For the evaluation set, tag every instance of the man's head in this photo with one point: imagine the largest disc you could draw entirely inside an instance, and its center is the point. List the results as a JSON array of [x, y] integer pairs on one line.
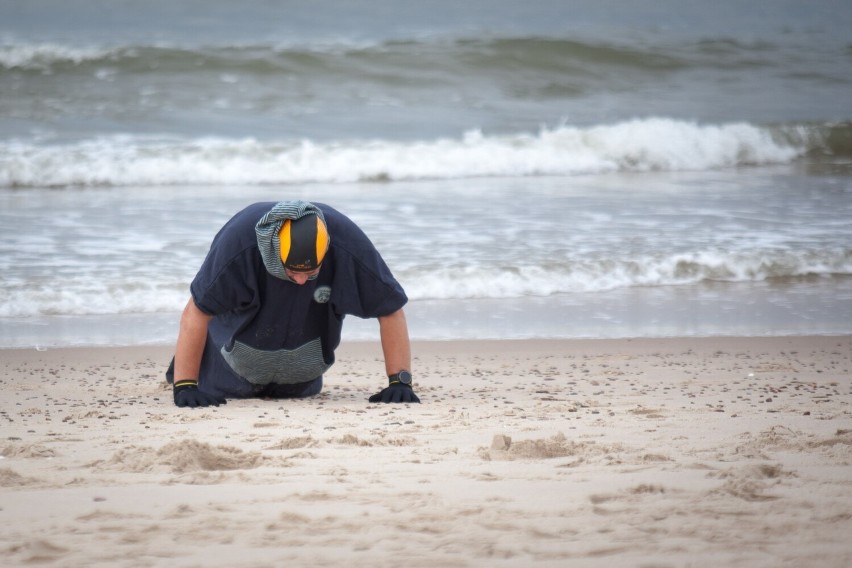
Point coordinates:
[[303, 243]]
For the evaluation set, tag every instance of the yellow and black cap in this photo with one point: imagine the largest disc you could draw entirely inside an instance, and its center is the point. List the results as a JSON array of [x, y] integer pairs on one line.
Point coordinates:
[[303, 242]]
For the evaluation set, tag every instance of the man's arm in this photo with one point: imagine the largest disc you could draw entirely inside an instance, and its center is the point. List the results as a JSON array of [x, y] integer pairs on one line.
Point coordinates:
[[396, 346], [188, 352], [190, 344], [393, 330]]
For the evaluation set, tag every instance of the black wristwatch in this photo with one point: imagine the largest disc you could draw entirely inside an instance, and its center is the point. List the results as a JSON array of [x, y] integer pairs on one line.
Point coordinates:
[[402, 377]]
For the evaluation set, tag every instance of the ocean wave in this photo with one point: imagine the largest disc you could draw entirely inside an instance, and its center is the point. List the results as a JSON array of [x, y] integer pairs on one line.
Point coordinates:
[[56, 58], [656, 144], [85, 298], [585, 276], [44, 56], [508, 53], [89, 294]]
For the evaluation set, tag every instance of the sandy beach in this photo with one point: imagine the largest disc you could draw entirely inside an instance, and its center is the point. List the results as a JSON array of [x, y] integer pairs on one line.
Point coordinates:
[[544, 180], [646, 452]]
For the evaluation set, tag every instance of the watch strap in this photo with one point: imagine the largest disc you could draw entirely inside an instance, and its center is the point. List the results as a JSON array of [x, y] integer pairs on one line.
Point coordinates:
[[402, 377]]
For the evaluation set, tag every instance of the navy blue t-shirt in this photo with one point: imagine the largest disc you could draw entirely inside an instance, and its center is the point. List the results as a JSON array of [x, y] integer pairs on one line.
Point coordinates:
[[269, 330]]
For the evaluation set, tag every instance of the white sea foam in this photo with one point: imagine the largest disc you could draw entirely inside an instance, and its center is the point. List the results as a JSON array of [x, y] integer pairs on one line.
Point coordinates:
[[637, 145]]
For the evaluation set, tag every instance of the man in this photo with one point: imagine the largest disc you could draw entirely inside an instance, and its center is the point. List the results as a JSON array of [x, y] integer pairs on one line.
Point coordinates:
[[267, 307]]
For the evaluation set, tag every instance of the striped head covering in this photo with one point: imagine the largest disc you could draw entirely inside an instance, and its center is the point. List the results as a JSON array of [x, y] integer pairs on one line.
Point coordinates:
[[292, 236]]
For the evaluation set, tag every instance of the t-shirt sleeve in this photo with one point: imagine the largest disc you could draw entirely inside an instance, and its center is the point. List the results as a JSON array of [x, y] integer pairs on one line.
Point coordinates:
[[366, 287], [226, 282], [363, 283]]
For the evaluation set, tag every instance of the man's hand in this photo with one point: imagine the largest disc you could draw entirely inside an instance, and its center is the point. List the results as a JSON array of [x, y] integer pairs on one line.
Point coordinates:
[[396, 392], [187, 394]]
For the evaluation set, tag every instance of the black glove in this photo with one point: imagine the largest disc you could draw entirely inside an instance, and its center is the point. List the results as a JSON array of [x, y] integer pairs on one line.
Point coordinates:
[[187, 394], [396, 392]]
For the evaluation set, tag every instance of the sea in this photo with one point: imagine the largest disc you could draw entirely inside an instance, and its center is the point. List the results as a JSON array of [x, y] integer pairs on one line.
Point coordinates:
[[537, 169]]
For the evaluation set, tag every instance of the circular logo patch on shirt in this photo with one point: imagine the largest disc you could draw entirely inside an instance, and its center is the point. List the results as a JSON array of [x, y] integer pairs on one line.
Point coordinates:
[[322, 294]]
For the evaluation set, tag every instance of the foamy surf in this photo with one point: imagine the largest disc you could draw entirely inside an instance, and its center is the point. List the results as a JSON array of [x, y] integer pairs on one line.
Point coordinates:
[[92, 291]]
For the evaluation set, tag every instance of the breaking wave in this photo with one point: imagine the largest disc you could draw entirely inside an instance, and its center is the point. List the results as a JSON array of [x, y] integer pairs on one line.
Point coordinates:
[[653, 144]]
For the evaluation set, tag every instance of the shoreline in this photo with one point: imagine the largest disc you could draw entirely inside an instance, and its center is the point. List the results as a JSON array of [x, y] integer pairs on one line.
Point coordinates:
[[799, 307], [435, 347], [586, 452], [430, 345]]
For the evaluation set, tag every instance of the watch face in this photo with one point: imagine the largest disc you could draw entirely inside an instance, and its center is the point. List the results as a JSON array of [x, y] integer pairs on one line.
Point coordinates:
[[404, 377]]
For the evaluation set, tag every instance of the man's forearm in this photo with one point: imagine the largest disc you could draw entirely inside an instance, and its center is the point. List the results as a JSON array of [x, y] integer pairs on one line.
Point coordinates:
[[396, 346], [190, 344]]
